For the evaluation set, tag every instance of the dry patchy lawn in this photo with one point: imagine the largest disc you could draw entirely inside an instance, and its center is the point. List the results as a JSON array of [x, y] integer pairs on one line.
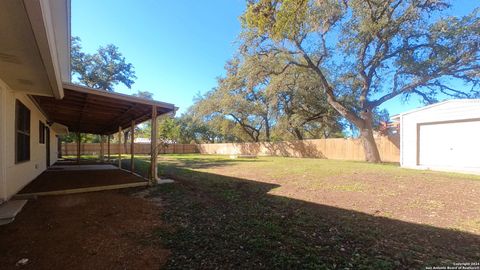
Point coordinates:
[[308, 213]]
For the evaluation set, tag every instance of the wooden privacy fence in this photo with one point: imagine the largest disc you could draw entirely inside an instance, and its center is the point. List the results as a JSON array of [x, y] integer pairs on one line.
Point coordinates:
[[344, 149], [70, 149]]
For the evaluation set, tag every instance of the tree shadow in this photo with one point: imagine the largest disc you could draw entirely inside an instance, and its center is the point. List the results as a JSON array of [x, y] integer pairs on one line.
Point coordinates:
[[299, 148], [395, 139], [215, 221]]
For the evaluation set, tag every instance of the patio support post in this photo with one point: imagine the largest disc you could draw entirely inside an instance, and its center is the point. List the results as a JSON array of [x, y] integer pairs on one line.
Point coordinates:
[[153, 148], [120, 147], [79, 139], [108, 148], [132, 147], [101, 148]]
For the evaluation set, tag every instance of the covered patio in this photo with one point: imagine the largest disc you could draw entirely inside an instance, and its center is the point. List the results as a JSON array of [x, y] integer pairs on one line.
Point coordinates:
[[86, 110]]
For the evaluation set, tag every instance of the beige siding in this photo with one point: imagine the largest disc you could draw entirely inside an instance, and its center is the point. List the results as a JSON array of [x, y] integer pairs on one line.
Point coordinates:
[[450, 111], [16, 176]]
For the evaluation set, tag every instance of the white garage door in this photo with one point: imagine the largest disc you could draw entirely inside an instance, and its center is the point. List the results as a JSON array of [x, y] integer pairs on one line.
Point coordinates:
[[450, 145]]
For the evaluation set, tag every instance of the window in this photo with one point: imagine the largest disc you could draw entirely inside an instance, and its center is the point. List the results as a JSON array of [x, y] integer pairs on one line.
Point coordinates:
[[22, 132], [41, 132]]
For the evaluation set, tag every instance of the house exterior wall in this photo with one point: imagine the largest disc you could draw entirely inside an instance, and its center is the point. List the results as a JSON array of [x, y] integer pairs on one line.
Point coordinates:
[[16, 176], [450, 111]]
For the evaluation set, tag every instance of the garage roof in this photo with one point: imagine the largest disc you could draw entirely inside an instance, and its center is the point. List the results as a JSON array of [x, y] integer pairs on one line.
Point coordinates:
[[88, 110], [396, 117]]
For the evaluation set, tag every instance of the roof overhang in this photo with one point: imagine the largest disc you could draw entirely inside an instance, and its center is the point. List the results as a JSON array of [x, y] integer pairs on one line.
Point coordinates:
[[35, 47], [395, 118], [441, 103], [88, 110]]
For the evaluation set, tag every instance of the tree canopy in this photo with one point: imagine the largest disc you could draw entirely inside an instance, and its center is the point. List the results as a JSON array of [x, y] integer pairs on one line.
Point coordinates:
[[254, 103], [102, 70], [365, 52]]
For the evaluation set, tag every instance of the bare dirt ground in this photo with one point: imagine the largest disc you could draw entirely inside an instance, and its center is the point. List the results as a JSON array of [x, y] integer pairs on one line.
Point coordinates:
[[101, 230]]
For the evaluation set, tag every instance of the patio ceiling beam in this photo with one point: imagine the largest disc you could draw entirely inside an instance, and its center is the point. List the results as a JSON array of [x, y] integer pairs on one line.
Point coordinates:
[[124, 123], [117, 119], [77, 109], [84, 106]]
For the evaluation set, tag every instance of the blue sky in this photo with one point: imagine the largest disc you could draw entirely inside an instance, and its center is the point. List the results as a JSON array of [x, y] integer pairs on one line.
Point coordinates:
[[178, 48]]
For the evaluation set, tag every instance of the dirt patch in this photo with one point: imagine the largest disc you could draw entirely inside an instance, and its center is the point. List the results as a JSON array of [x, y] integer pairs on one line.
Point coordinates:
[[102, 230]]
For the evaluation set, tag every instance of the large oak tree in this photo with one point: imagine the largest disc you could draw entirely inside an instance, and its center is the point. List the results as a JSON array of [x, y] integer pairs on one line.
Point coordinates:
[[101, 70], [365, 52]]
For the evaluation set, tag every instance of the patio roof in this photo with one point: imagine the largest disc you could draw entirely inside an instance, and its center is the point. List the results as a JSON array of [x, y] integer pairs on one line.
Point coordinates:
[[88, 110]]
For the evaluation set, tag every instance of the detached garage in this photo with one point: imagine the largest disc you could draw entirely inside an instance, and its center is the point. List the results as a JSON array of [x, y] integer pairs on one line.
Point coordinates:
[[443, 136]]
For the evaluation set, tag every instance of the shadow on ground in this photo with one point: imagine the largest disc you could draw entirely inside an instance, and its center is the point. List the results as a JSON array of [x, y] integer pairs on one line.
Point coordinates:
[[224, 222]]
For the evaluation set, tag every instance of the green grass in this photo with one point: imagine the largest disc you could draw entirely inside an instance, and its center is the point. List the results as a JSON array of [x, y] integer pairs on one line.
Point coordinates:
[[283, 167]]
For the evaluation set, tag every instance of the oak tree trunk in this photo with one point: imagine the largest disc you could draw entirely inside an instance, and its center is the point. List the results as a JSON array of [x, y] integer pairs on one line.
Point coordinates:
[[365, 126], [369, 145], [366, 134], [364, 122]]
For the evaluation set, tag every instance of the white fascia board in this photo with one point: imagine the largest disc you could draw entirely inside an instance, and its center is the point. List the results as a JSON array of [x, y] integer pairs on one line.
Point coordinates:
[[438, 104], [39, 14]]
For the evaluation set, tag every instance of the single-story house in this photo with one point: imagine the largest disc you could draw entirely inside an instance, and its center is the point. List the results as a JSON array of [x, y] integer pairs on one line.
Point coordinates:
[[37, 99], [444, 136]]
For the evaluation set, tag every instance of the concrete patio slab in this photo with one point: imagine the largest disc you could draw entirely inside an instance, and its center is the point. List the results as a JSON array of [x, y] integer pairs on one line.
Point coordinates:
[[71, 179]]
